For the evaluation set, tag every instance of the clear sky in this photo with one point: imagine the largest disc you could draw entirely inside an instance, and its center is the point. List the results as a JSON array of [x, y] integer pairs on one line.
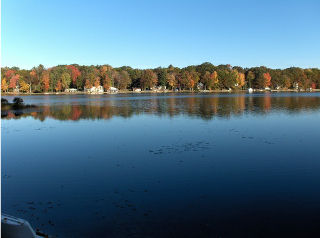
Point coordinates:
[[143, 34]]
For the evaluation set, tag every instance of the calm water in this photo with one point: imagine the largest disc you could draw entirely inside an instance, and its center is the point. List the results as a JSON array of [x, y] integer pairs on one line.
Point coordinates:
[[222, 165]]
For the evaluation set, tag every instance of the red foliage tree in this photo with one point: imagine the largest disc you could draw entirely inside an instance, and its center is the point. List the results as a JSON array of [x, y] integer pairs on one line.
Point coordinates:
[[9, 73], [75, 73], [13, 81]]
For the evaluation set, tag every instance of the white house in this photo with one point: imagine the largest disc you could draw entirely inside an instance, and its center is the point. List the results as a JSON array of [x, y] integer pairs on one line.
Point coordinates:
[[94, 90], [16, 89], [113, 90], [137, 90], [200, 86], [71, 90], [158, 88]]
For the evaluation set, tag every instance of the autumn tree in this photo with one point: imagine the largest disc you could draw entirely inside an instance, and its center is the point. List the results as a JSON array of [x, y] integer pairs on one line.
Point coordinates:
[[24, 87], [125, 80], [37, 74], [241, 80], [205, 79], [148, 79], [227, 77], [190, 79], [210, 80], [215, 79], [97, 82], [250, 77], [267, 79], [33, 76], [58, 86], [287, 81], [107, 82], [13, 81], [88, 84], [4, 85], [172, 80], [45, 81], [9, 73], [65, 80], [75, 73]]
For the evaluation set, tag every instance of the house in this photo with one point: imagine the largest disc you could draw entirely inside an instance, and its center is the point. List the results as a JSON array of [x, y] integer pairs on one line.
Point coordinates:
[[200, 86], [137, 90], [16, 89], [71, 90], [159, 88], [113, 90], [94, 90]]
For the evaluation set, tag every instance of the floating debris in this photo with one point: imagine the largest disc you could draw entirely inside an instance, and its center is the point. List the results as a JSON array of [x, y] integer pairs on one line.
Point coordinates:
[[180, 148]]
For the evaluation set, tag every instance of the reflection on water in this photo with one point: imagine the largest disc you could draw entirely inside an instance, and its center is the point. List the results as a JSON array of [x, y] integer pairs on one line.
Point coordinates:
[[164, 165], [203, 106]]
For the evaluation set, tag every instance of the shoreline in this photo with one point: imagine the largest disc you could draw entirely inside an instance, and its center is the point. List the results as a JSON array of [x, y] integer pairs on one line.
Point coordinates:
[[150, 91]]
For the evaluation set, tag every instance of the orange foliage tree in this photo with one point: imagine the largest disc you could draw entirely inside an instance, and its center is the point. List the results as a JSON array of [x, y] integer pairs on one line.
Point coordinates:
[[97, 82], [267, 79], [58, 86], [45, 81], [241, 79], [106, 82], [88, 84]]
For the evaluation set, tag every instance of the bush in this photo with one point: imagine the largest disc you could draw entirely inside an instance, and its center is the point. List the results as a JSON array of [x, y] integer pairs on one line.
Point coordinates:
[[4, 101], [17, 102]]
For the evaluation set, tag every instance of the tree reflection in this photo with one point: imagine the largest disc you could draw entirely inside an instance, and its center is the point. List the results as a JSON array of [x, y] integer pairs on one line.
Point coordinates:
[[207, 107]]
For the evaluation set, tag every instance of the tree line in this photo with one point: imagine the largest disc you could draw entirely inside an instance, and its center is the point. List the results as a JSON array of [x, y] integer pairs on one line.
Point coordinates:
[[204, 76]]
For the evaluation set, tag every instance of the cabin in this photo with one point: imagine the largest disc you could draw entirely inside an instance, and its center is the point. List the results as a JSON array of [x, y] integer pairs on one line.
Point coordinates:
[[94, 90]]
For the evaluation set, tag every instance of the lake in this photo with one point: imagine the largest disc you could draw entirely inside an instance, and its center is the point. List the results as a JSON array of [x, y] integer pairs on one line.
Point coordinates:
[[165, 165]]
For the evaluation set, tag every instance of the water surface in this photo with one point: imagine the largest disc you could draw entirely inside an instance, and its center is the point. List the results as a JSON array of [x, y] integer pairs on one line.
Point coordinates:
[[167, 165]]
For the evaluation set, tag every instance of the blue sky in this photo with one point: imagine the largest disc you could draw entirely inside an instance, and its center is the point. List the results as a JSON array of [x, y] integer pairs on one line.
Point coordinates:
[[145, 34]]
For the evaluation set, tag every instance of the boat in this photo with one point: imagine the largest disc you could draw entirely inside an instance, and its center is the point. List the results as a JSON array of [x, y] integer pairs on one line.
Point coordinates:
[[13, 227], [250, 90]]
